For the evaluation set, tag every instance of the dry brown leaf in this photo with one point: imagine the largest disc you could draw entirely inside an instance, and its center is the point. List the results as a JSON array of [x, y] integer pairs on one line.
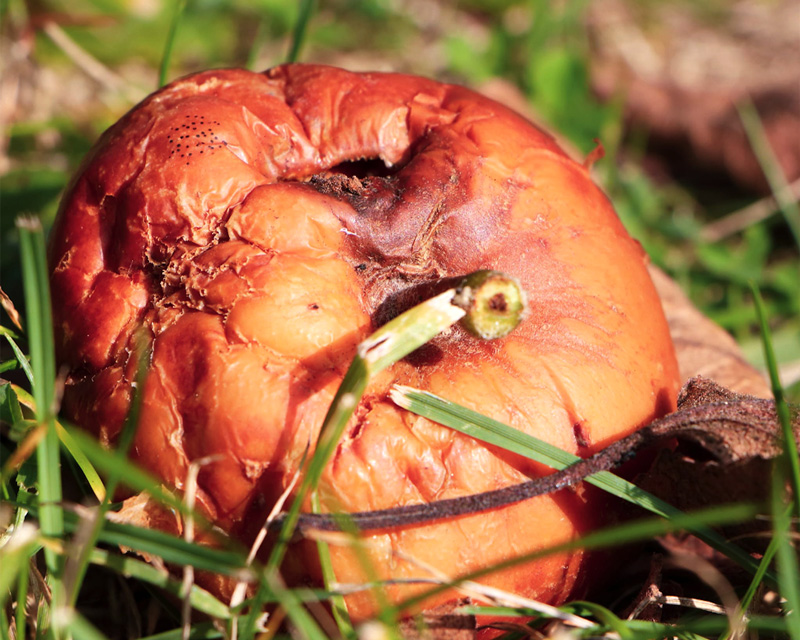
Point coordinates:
[[141, 510], [11, 310], [703, 348], [723, 455], [682, 79]]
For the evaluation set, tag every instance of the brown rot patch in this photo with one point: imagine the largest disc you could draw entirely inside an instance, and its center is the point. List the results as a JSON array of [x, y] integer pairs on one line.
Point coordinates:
[[581, 434]]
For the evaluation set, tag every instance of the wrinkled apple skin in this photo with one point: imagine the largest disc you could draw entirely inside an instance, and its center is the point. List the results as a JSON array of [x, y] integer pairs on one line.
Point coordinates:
[[218, 215]]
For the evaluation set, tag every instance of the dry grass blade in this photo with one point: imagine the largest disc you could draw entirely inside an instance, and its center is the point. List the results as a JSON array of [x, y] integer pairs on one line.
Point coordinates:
[[90, 65], [188, 536], [714, 578], [771, 167], [10, 309], [469, 588], [750, 215], [691, 603], [240, 589]]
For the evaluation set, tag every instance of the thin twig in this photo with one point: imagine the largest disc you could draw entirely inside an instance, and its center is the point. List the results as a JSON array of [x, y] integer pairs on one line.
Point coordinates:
[[467, 587], [678, 601], [90, 65], [770, 165], [240, 589], [188, 535], [749, 215], [686, 420], [715, 579]]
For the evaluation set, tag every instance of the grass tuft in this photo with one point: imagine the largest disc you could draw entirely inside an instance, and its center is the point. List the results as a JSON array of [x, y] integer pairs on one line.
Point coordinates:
[[43, 365], [785, 484]]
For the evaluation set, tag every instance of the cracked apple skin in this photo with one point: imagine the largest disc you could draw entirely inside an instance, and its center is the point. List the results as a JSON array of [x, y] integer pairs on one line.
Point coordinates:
[[258, 226]]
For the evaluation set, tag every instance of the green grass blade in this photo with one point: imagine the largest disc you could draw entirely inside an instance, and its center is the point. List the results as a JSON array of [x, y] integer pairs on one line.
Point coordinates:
[[300, 29], [755, 583], [787, 472], [78, 561], [292, 603], [174, 550], [84, 464], [43, 365], [606, 617], [483, 428], [82, 629], [169, 44], [135, 478], [129, 567], [72, 448], [10, 413], [23, 361], [392, 342], [493, 432], [16, 551], [790, 445], [258, 41], [201, 631], [22, 596], [5, 626], [338, 605], [701, 627], [786, 560], [771, 166]]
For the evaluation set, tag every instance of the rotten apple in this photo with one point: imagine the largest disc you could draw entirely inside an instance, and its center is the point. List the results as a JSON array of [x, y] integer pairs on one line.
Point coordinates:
[[257, 226]]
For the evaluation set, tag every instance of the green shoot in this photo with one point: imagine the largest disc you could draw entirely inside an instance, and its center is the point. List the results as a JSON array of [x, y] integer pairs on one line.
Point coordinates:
[[300, 29], [389, 344], [169, 44]]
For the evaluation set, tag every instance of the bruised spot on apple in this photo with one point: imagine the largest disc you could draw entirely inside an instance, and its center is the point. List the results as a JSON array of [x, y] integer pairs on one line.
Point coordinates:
[[258, 226]]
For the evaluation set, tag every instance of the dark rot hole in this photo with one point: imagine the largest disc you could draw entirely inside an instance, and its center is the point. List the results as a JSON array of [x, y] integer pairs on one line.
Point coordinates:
[[367, 168], [498, 303]]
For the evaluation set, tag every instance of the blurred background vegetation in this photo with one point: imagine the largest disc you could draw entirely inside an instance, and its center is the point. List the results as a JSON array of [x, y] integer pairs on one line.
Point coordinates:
[[696, 104]]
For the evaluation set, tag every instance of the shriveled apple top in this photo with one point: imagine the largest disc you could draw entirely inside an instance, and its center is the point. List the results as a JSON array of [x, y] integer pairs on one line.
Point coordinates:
[[257, 226]]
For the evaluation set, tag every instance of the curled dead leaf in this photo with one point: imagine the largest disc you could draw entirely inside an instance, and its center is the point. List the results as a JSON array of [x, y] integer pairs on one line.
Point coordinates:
[[703, 348], [10, 309]]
